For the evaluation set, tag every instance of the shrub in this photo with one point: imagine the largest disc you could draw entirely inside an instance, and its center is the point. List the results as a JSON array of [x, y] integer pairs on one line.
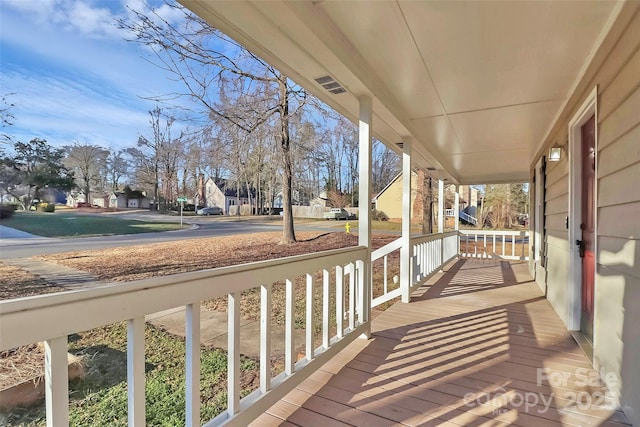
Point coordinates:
[[379, 215], [46, 207], [6, 212]]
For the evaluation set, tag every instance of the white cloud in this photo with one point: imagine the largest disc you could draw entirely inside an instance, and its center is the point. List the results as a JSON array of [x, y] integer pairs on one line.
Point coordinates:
[[162, 10], [41, 8], [73, 75], [70, 110], [72, 16], [94, 21]]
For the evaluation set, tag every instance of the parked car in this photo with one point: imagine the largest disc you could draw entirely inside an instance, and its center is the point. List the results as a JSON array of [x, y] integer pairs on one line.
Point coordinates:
[[213, 210], [337, 213]]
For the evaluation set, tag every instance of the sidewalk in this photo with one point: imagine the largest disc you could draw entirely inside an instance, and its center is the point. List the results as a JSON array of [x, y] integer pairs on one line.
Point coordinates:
[[11, 236], [213, 324]]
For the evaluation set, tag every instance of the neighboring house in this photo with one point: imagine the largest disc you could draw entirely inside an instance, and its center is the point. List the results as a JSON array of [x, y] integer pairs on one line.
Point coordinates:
[[296, 199], [469, 196], [74, 198], [102, 200], [389, 199], [322, 200], [134, 199], [217, 193]]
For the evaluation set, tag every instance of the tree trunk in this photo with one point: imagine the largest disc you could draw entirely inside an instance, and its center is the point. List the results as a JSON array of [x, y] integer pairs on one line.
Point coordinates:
[[259, 198], [288, 232], [155, 188], [246, 183], [87, 192], [427, 205], [480, 215], [238, 196]]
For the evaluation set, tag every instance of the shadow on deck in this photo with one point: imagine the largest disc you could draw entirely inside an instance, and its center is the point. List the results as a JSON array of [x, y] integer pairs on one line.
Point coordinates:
[[478, 345]]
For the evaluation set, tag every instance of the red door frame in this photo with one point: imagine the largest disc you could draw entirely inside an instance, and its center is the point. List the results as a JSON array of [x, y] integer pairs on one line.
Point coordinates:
[[574, 301], [587, 225]]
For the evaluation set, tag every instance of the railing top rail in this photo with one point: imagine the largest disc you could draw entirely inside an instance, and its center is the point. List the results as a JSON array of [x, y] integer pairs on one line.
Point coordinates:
[[386, 249], [430, 237], [495, 232], [30, 319]]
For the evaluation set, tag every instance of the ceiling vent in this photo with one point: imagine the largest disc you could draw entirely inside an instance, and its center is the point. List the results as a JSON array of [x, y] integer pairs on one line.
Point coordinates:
[[330, 84], [431, 168]]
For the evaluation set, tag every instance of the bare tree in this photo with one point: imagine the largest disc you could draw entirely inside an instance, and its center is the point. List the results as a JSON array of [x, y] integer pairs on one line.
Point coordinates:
[[206, 61], [502, 204], [6, 116], [117, 168], [88, 163], [386, 164], [160, 150], [143, 171]]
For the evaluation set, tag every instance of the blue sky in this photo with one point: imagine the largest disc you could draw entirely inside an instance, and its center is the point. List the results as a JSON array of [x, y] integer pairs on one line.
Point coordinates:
[[73, 75]]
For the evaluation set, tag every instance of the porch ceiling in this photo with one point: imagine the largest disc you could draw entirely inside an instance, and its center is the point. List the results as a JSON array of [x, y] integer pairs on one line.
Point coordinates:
[[475, 85]]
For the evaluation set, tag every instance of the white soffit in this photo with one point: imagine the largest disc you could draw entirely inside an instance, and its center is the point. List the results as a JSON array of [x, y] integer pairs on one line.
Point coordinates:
[[475, 84]]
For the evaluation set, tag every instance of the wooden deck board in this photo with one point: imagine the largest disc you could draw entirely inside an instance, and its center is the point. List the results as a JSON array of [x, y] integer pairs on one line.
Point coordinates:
[[467, 351]]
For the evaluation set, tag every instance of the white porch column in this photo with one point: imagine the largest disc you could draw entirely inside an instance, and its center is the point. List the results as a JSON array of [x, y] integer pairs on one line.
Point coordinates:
[[405, 250], [364, 200], [440, 206], [456, 218]]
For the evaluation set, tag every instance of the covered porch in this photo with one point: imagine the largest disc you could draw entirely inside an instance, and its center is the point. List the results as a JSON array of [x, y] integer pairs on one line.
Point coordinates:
[[474, 92], [478, 345]]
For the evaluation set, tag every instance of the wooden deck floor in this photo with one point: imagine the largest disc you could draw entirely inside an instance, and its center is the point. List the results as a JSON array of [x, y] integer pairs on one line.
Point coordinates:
[[477, 346]]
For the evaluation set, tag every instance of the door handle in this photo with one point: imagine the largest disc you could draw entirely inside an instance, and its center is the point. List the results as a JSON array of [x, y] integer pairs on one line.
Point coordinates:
[[581, 247]]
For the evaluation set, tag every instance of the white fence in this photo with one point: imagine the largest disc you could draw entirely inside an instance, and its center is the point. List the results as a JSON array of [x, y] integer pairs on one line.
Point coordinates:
[[512, 245], [51, 318], [430, 253], [387, 280], [345, 288]]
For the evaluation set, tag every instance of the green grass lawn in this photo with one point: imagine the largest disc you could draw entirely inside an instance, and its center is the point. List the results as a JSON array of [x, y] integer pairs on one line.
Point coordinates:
[[72, 225], [100, 399]]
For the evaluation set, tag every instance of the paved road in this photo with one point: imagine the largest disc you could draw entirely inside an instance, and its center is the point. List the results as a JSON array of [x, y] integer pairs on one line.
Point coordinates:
[[15, 244]]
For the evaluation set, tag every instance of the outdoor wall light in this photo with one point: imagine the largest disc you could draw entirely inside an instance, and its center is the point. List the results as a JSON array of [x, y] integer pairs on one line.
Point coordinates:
[[555, 153]]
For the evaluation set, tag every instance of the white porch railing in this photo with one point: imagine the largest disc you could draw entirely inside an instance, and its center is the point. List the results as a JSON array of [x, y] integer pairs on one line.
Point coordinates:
[[503, 244], [383, 254], [430, 253], [463, 215], [51, 318]]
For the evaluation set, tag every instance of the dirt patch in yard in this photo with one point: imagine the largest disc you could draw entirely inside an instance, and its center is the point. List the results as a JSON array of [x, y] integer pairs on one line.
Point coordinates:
[[161, 259]]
